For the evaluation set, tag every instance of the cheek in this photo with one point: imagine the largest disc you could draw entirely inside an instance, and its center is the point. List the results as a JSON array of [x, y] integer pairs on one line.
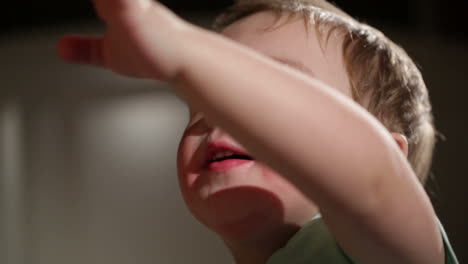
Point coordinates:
[[272, 178], [268, 173], [277, 183], [184, 153], [296, 205], [189, 160]]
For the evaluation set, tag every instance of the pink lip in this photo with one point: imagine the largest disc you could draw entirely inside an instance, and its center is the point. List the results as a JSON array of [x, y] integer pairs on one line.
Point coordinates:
[[214, 147], [226, 164]]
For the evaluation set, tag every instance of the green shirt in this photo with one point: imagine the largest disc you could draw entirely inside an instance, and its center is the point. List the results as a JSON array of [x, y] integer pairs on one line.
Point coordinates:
[[314, 243]]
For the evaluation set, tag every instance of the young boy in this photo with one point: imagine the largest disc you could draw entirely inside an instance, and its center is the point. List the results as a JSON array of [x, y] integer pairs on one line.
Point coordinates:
[[308, 130]]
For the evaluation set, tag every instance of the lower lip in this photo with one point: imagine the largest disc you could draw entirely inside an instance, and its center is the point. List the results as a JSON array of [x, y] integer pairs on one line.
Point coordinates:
[[226, 164]]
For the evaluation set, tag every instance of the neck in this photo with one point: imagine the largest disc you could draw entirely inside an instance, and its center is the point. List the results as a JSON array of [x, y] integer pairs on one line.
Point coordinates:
[[251, 256], [258, 251]]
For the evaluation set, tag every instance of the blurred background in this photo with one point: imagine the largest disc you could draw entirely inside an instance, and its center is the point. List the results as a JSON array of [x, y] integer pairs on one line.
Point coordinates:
[[87, 158]]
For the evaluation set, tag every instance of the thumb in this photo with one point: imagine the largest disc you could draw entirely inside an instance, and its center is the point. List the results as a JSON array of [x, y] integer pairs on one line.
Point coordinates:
[[82, 50]]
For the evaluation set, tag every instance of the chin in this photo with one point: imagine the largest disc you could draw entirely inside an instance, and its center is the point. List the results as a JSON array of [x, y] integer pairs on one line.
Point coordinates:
[[237, 211]]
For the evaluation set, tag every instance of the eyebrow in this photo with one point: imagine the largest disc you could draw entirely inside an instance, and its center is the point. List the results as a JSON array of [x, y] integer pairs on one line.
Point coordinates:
[[294, 64]]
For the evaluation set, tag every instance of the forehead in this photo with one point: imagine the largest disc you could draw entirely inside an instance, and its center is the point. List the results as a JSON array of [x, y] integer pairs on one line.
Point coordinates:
[[294, 45]]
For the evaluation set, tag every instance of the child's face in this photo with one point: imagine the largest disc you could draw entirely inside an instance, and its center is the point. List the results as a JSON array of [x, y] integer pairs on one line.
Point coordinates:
[[236, 196]]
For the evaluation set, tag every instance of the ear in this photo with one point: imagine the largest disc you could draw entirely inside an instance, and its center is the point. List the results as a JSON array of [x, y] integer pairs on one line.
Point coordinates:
[[402, 142]]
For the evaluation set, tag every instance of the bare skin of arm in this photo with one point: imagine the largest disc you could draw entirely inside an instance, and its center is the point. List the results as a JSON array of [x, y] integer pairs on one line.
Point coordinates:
[[364, 186]]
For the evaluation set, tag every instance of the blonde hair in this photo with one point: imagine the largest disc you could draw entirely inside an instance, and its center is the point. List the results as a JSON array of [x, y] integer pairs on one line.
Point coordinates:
[[382, 76]]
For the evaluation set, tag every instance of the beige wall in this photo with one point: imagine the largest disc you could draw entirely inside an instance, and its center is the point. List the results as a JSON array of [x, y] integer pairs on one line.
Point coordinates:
[[88, 165], [12, 183]]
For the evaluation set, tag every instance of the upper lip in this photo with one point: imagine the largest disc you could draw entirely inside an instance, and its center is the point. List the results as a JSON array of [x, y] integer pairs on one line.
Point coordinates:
[[217, 146]]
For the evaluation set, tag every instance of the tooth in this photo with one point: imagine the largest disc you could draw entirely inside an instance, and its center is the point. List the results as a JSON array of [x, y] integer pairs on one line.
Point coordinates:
[[222, 154], [227, 153]]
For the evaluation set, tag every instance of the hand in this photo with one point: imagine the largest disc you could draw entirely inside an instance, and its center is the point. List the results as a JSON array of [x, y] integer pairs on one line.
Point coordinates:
[[143, 39]]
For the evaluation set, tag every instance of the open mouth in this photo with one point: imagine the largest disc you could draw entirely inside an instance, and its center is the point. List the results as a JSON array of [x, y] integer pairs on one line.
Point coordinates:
[[226, 159], [221, 155], [233, 156]]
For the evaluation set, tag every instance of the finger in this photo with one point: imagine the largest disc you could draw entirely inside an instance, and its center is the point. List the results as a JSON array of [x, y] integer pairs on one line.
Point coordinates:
[[82, 50]]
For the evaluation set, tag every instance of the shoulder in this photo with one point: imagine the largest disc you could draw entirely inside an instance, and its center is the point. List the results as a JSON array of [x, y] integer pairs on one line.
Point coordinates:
[[314, 243]]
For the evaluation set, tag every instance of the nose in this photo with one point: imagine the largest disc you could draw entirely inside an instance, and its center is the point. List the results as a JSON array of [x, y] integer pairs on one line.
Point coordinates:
[[200, 124], [215, 133]]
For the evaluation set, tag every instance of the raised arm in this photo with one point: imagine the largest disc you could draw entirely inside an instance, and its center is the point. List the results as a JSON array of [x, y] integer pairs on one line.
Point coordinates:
[[324, 143], [363, 185]]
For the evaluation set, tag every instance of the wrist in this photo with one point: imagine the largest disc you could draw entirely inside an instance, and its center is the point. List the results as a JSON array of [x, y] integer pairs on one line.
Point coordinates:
[[186, 56], [165, 44]]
